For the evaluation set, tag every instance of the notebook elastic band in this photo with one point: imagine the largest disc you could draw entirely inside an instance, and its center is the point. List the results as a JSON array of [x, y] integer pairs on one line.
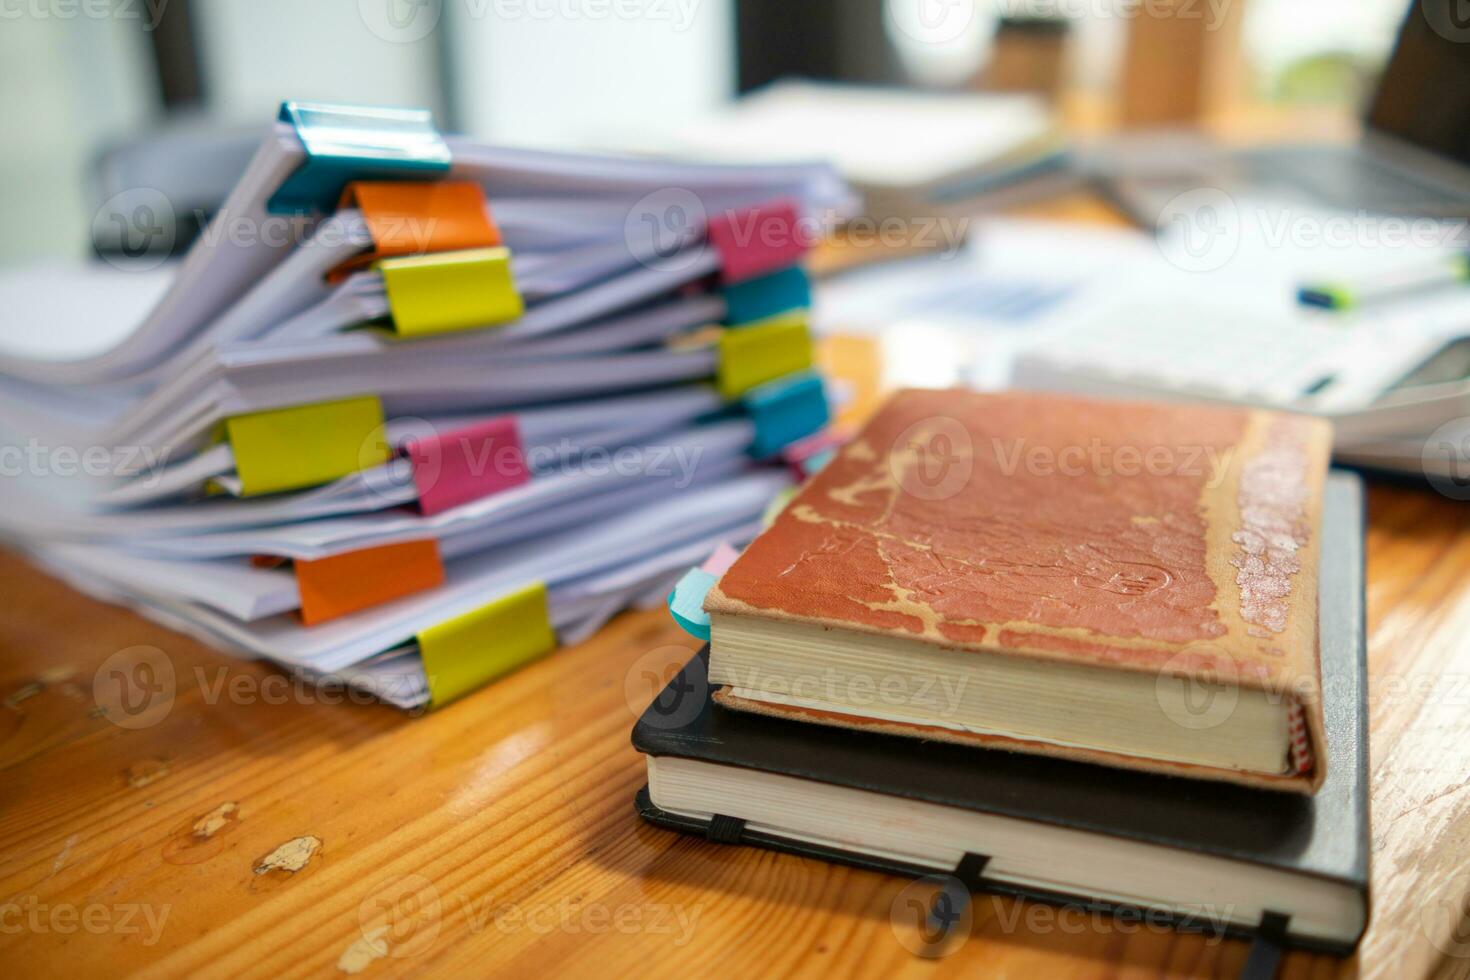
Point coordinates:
[[1264, 957], [725, 830], [971, 870]]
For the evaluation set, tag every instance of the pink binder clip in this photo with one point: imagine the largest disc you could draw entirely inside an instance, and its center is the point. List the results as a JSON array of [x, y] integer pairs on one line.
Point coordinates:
[[455, 467], [757, 240], [808, 455]]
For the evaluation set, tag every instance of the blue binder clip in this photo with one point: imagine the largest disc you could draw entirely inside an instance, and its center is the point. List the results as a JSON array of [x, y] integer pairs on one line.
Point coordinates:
[[757, 299], [344, 143], [786, 410]]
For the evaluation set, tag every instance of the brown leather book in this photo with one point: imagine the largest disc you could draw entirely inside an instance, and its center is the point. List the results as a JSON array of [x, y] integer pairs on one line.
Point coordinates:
[[1128, 584]]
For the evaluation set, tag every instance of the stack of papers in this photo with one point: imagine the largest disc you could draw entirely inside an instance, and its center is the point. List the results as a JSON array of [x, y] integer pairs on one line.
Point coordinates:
[[415, 410], [911, 154], [1213, 310]]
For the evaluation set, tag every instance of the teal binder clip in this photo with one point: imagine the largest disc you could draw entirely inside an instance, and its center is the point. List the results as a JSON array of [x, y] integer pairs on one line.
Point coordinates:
[[757, 299], [344, 143], [786, 410]]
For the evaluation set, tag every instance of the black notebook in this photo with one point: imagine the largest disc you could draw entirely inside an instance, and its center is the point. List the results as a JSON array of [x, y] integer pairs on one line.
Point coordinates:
[[1208, 856]]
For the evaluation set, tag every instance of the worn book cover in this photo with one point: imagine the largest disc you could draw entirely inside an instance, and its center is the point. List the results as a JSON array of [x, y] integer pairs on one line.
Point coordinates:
[[1130, 536], [1323, 838]]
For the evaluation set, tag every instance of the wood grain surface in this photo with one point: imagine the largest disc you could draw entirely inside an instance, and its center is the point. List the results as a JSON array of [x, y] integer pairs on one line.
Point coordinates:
[[167, 810], [499, 835]]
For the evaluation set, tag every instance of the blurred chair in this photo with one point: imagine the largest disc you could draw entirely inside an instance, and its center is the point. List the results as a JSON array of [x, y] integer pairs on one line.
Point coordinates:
[[154, 193]]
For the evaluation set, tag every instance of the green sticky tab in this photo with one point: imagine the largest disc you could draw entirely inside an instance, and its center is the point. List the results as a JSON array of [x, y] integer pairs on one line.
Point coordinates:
[[777, 505], [754, 354], [306, 445], [474, 649], [447, 291]]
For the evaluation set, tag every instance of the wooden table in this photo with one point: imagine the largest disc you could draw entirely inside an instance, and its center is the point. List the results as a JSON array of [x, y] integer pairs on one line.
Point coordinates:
[[241, 826]]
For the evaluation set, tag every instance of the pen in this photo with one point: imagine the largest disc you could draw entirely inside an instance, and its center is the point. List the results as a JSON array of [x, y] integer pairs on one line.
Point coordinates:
[[1397, 282]]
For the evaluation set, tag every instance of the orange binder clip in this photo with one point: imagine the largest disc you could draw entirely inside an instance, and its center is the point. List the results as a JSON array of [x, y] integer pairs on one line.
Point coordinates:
[[356, 580], [414, 218]]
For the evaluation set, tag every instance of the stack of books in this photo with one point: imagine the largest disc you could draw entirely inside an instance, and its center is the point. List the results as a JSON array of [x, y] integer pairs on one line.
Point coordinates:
[[1090, 652], [414, 410]]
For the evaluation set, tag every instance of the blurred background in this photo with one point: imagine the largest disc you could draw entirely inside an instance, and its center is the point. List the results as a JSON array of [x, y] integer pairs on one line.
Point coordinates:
[[92, 84]]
